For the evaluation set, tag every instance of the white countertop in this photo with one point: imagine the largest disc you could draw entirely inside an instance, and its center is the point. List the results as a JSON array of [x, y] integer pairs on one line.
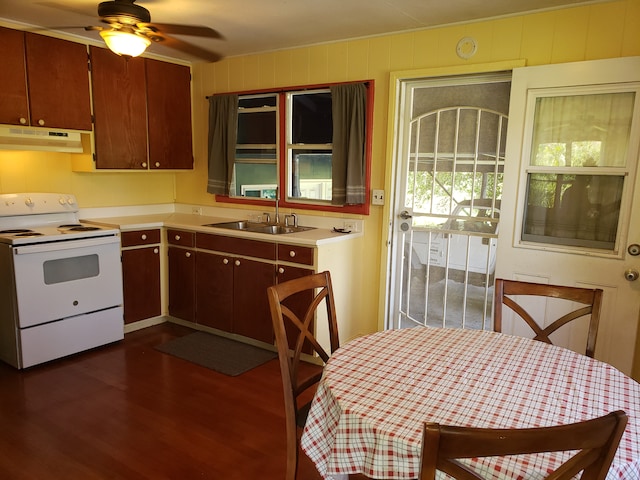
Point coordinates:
[[183, 221]]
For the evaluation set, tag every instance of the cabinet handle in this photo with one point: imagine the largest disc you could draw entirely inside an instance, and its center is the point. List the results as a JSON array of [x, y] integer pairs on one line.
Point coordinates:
[[155, 250], [187, 254], [23, 121], [292, 253], [177, 237], [41, 122], [144, 164], [281, 270], [143, 236], [237, 262], [225, 261], [157, 164]]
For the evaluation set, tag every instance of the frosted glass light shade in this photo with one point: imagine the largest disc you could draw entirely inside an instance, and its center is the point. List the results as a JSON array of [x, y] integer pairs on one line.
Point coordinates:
[[125, 43]]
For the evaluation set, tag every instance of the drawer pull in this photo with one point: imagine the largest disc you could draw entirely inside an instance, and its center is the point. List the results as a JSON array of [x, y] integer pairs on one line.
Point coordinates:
[[144, 164], [292, 253], [23, 121], [225, 261], [177, 237], [157, 164], [281, 270], [187, 254], [237, 262], [155, 250], [143, 236]]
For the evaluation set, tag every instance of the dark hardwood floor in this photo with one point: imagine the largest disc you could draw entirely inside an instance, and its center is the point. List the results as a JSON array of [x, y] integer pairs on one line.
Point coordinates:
[[127, 411]]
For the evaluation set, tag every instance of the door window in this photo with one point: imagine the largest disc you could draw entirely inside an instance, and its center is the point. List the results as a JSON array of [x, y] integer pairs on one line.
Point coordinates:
[[576, 169]]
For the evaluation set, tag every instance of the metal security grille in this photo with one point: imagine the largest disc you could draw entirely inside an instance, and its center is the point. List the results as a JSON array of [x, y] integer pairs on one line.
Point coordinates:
[[451, 216]]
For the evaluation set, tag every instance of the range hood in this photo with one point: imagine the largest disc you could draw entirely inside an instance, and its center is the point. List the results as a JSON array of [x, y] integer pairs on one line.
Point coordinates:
[[47, 139]]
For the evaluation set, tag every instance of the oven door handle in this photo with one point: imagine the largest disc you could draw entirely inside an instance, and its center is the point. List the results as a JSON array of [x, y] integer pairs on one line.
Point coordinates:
[[65, 245]]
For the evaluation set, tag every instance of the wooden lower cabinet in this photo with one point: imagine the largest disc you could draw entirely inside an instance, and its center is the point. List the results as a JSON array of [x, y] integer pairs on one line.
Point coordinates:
[[214, 290], [231, 295], [182, 282], [141, 275]]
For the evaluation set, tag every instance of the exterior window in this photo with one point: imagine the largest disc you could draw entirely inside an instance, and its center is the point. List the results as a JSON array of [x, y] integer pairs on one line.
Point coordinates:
[[309, 137], [284, 148], [577, 169], [255, 172]]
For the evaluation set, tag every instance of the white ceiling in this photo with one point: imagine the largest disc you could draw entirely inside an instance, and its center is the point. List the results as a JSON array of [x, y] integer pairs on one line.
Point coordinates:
[[252, 26]]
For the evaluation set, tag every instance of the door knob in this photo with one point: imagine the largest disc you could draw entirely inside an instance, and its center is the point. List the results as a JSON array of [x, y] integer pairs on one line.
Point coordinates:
[[631, 275], [405, 215]]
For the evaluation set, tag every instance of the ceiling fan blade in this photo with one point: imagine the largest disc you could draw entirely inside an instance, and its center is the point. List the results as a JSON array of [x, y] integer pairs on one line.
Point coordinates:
[[176, 29], [187, 48]]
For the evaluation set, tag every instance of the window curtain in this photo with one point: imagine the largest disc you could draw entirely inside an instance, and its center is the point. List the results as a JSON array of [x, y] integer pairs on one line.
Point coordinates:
[[349, 104], [223, 120]]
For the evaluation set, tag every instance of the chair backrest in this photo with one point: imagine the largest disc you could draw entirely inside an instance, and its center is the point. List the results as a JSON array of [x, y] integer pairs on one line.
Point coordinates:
[[595, 442], [505, 290], [294, 334]]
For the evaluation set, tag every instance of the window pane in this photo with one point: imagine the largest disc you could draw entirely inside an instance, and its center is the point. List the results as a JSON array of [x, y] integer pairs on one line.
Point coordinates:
[[310, 172], [255, 180], [582, 130], [257, 128], [575, 210], [311, 120]]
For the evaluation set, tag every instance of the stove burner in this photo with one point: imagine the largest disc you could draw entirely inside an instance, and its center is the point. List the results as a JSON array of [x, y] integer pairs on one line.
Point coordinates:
[[69, 225], [29, 233], [82, 228], [16, 230]]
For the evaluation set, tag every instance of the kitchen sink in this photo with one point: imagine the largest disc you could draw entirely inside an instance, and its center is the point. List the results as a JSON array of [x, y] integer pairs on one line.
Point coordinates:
[[256, 227]]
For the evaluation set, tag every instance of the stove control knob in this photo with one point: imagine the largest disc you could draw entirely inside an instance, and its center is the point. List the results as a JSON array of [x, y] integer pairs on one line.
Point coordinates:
[[28, 202], [70, 201]]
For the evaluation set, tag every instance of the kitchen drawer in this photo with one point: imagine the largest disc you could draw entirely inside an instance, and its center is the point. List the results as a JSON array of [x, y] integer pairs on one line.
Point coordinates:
[[181, 237], [140, 237], [295, 254], [236, 246]]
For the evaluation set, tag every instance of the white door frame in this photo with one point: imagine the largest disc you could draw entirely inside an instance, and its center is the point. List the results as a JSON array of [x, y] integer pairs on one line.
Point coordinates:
[[387, 280]]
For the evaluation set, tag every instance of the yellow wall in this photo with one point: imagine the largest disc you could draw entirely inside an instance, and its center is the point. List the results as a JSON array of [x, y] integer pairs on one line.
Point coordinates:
[[604, 30]]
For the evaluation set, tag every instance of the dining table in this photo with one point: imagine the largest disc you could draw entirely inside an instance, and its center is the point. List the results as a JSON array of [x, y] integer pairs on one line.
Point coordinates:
[[377, 391]]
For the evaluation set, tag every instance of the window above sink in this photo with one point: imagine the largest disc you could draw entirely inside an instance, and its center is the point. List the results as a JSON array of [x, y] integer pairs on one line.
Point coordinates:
[[284, 138]]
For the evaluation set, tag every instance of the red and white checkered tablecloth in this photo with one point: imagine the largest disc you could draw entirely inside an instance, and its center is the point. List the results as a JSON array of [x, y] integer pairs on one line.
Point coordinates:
[[377, 391]]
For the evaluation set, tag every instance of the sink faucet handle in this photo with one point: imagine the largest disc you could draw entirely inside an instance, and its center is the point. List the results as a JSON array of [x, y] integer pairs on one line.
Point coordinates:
[[267, 217], [293, 217]]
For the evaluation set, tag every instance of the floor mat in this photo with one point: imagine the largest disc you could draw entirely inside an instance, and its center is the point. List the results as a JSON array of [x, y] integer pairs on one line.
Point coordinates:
[[217, 353]]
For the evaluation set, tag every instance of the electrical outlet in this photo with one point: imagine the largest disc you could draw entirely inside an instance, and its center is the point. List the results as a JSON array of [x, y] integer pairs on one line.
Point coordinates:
[[196, 210], [377, 198], [350, 225]]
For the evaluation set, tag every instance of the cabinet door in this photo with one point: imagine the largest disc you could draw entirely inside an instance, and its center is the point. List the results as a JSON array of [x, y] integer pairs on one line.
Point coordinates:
[[120, 110], [141, 283], [298, 303], [182, 283], [13, 83], [214, 290], [58, 74], [251, 314], [169, 112]]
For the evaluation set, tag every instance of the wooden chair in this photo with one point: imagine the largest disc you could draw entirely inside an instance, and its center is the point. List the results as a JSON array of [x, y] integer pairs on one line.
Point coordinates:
[[295, 336], [596, 442], [591, 298]]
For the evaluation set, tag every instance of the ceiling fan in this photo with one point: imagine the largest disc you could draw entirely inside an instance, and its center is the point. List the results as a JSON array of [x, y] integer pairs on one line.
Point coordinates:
[[130, 31]]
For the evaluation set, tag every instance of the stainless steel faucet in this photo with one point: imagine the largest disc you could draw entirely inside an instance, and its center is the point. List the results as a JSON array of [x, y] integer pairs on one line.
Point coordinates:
[[293, 217]]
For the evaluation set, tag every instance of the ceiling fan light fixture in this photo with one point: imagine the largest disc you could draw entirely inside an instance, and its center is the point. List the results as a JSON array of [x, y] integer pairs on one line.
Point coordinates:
[[125, 43]]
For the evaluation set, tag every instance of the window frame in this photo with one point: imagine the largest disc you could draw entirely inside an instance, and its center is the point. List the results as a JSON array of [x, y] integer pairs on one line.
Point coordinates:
[[283, 152]]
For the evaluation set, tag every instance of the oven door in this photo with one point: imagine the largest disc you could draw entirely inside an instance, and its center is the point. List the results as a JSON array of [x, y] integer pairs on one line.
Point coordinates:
[[64, 279]]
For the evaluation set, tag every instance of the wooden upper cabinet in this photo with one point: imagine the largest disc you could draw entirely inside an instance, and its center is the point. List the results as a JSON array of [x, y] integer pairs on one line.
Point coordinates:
[[169, 115], [120, 109], [57, 75], [14, 104]]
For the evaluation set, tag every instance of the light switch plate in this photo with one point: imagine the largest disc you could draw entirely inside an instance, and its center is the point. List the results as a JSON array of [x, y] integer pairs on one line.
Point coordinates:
[[377, 198]]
